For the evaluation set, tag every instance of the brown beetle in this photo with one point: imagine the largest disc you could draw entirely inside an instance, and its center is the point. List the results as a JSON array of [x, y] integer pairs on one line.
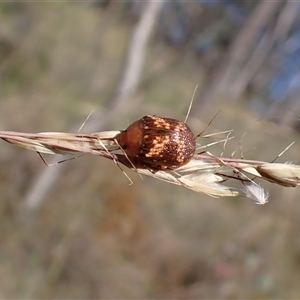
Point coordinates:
[[158, 143]]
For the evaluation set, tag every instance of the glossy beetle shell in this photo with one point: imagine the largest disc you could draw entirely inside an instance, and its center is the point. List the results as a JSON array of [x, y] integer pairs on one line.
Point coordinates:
[[159, 143]]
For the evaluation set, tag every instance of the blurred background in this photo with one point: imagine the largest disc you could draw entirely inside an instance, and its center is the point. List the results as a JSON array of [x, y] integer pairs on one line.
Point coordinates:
[[78, 230]]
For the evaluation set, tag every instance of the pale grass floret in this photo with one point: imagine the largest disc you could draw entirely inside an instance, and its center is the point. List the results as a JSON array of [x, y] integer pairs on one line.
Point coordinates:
[[256, 192]]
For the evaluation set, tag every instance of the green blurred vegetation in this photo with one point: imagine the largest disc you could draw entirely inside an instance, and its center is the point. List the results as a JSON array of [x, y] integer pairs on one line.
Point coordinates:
[[96, 237]]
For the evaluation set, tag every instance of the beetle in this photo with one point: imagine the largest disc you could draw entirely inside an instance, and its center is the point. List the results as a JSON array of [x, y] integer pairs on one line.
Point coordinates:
[[158, 143]]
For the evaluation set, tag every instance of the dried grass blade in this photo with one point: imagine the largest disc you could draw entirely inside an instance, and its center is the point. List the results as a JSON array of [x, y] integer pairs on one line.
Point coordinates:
[[62, 143]]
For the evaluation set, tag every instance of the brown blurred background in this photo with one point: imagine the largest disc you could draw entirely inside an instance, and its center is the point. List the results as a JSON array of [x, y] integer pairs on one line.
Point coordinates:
[[78, 230]]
